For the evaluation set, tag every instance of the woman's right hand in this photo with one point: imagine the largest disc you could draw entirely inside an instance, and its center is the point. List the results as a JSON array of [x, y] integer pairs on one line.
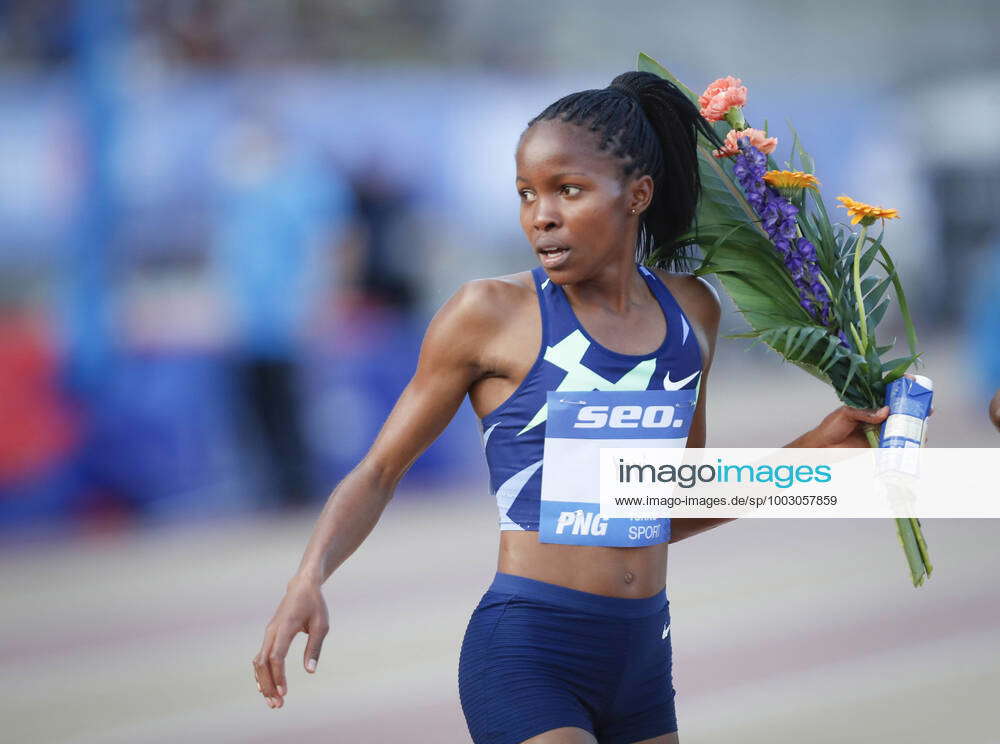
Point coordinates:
[[302, 609]]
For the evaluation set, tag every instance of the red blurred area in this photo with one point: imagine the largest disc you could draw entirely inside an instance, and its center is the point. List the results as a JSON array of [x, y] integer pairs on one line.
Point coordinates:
[[38, 426]]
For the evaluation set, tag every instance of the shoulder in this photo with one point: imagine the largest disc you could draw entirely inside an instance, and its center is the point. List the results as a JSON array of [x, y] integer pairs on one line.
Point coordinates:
[[698, 299], [497, 291], [479, 310], [492, 301]]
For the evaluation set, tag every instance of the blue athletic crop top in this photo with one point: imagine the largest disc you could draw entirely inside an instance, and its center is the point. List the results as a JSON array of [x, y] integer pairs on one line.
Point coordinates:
[[569, 359]]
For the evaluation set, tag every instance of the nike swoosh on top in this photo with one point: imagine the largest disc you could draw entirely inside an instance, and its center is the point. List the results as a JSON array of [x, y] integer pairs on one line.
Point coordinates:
[[669, 384]]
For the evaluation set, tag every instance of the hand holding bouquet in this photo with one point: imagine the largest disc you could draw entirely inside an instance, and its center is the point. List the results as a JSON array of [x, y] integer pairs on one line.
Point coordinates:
[[812, 291]]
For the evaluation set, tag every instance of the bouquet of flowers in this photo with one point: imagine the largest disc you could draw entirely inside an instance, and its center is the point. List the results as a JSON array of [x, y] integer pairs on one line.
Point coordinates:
[[809, 289]]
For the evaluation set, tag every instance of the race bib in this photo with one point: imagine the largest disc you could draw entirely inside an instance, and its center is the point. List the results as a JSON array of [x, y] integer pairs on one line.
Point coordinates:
[[579, 424]]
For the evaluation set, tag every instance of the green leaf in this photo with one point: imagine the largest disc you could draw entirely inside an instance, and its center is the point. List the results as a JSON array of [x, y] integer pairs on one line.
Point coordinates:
[[876, 316], [832, 344], [850, 376], [801, 341], [808, 165], [872, 358], [869, 255], [790, 163], [855, 335], [872, 297], [648, 64], [814, 371], [899, 369], [826, 246], [724, 237], [749, 295], [890, 268], [867, 284]]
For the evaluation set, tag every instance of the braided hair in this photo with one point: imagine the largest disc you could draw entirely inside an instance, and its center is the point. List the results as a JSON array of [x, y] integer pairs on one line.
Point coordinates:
[[653, 127]]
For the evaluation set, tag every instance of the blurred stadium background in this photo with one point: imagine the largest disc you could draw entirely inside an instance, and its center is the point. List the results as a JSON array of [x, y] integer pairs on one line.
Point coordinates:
[[225, 226]]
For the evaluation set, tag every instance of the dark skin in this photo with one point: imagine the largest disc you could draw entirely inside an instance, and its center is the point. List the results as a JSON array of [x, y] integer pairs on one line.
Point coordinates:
[[994, 410], [482, 342]]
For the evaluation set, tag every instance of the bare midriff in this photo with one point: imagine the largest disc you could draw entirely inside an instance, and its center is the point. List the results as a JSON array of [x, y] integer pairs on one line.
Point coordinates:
[[614, 572]]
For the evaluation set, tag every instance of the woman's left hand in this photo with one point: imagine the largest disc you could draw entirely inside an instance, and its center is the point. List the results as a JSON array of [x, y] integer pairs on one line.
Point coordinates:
[[844, 427]]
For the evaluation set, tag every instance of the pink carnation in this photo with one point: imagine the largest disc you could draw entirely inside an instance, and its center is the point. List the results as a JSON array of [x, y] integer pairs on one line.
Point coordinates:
[[720, 96], [757, 138]]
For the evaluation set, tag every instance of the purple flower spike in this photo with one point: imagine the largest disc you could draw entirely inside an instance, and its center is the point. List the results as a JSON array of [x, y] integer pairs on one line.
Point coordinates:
[[778, 219], [806, 250], [788, 210], [787, 229], [770, 219]]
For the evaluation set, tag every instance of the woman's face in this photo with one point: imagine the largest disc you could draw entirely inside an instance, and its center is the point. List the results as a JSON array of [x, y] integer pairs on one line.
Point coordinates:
[[575, 207]]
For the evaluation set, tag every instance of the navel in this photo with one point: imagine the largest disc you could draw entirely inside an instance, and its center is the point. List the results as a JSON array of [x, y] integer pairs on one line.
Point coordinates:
[[629, 577]]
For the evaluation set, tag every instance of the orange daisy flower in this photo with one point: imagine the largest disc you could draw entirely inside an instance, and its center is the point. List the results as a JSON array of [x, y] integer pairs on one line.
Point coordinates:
[[782, 179], [865, 213]]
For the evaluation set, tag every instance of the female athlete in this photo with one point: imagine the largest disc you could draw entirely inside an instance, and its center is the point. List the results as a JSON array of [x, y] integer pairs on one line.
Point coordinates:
[[571, 643]]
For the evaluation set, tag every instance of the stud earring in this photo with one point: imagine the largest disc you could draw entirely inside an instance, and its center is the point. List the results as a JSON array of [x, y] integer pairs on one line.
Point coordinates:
[[632, 211]]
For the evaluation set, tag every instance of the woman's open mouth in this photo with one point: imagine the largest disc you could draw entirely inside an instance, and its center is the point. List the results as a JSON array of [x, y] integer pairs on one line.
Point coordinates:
[[553, 256]]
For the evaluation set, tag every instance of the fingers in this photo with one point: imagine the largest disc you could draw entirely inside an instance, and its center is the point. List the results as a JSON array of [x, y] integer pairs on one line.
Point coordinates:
[[276, 662], [262, 670], [269, 663], [867, 414], [317, 632]]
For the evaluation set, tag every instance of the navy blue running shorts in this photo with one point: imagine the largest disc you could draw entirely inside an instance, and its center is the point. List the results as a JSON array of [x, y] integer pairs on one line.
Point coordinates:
[[539, 656]]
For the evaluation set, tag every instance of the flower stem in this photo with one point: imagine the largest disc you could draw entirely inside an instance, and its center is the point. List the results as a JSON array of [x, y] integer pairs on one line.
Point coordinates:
[[907, 538], [872, 435], [922, 544], [910, 535], [856, 337], [857, 289]]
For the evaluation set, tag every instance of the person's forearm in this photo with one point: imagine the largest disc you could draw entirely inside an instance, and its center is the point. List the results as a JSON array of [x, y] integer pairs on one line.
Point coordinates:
[[805, 440], [681, 528], [349, 515], [995, 410]]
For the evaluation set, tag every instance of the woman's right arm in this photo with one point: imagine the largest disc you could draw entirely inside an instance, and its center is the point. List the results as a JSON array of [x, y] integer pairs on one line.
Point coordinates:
[[449, 363]]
